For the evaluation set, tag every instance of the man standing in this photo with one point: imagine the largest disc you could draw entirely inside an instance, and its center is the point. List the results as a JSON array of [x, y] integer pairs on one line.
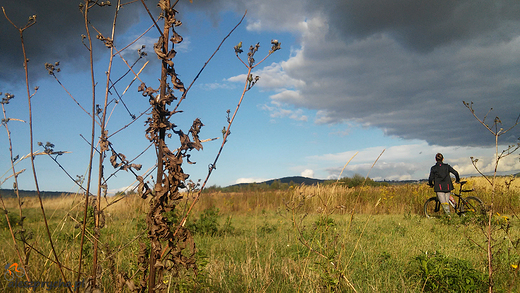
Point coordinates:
[[440, 180]]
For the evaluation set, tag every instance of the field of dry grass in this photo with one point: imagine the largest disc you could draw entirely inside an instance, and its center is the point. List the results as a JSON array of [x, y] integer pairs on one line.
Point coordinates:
[[307, 238]]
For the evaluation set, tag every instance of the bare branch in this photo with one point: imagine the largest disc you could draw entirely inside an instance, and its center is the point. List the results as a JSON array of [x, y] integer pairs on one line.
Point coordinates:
[[205, 64]]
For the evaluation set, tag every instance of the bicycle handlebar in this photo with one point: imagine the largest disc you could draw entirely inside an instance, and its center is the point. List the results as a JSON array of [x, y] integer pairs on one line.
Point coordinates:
[[459, 182]]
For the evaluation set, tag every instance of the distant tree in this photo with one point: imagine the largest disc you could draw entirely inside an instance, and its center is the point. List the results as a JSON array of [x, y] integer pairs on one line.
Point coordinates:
[[212, 188], [355, 181], [275, 185]]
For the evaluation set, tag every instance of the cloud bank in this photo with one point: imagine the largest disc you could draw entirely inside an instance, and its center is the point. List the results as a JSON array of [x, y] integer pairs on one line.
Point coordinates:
[[402, 66], [56, 36]]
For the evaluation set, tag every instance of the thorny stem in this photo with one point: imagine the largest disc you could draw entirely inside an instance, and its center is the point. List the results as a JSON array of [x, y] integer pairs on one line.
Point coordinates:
[[47, 257], [474, 163], [131, 68], [153, 19], [160, 144], [93, 133], [70, 95], [136, 39], [15, 175], [205, 64], [496, 133], [124, 127], [67, 173], [247, 87], [305, 242], [24, 261], [29, 96], [212, 166], [89, 143], [102, 150]]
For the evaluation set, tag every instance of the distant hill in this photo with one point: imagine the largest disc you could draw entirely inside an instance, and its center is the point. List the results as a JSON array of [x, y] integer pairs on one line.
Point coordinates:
[[297, 180], [6, 193]]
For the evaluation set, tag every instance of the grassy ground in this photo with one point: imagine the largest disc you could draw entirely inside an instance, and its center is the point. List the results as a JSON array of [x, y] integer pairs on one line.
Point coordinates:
[[373, 252], [307, 239]]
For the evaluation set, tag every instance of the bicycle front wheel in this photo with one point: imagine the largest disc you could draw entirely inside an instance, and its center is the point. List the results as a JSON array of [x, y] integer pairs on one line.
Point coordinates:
[[433, 208], [473, 206]]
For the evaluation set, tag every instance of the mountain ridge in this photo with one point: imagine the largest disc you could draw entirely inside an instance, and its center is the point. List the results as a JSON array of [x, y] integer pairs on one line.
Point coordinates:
[[294, 179]]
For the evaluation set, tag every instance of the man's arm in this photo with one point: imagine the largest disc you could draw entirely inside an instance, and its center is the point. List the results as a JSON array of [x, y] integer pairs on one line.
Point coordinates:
[[454, 172], [430, 178]]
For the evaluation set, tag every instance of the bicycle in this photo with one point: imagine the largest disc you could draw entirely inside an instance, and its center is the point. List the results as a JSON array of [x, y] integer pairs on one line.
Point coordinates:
[[470, 205]]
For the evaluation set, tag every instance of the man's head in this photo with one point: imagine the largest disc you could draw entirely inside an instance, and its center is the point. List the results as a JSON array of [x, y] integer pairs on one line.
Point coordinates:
[[439, 157]]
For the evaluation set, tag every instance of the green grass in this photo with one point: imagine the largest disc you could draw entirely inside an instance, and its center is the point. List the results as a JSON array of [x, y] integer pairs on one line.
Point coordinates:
[[302, 240], [374, 254]]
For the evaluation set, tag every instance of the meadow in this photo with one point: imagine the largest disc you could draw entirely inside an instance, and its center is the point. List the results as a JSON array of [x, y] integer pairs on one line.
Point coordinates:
[[303, 239]]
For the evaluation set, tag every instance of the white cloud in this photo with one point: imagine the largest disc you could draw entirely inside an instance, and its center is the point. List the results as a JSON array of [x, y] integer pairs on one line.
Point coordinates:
[[411, 161], [272, 77], [275, 77], [238, 78], [274, 15], [288, 96], [216, 86], [121, 189], [146, 41], [184, 46], [308, 173], [343, 132], [250, 180], [254, 26], [149, 42], [391, 69], [278, 110], [376, 82], [486, 165]]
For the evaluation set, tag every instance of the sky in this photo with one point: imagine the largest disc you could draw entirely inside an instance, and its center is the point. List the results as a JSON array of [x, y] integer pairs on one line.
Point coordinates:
[[355, 80]]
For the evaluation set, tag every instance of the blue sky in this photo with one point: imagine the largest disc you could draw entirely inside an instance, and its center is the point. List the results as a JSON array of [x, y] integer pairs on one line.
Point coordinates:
[[352, 77]]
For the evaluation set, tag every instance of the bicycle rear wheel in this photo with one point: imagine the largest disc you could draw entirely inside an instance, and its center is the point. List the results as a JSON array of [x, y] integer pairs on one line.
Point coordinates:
[[473, 206], [433, 208]]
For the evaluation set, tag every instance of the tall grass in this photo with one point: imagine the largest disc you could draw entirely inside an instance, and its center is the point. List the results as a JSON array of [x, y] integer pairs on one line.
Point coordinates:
[[393, 199], [371, 234]]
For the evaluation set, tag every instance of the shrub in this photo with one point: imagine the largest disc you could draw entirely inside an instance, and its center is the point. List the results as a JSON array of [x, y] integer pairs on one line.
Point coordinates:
[[324, 221], [439, 273], [266, 228], [207, 224], [228, 227], [13, 219]]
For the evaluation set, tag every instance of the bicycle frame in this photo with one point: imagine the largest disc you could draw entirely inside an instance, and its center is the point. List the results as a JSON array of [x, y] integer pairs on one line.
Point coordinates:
[[463, 205]]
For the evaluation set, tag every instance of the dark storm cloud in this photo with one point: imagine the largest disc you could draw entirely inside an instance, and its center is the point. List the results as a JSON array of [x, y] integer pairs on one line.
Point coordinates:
[[403, 66], [55, 37], [423, 25], [410, 95]]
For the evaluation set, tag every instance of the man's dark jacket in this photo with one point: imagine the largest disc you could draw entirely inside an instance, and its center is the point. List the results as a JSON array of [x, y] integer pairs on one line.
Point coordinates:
[[440, 177]]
